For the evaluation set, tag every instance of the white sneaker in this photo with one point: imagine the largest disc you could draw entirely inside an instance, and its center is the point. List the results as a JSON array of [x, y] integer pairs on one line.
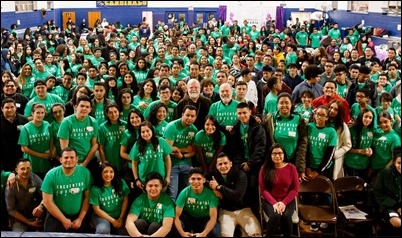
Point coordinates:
[[324, 225]]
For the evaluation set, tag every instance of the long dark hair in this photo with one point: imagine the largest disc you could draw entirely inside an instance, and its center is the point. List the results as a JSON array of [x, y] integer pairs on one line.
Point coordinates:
[[338, 120], [268, 168], [154, 93], [152, 115], [142, 144], [116, 181], [216, 136], [120, 95], [106, 110], [114, 90], [131, 128], [358, 125]]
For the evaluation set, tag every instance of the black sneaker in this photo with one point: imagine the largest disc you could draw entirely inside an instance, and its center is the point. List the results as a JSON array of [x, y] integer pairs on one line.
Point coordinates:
[[314, 226]]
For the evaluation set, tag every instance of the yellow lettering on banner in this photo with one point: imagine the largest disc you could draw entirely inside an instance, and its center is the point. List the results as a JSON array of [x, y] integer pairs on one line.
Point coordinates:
[[125, 3]]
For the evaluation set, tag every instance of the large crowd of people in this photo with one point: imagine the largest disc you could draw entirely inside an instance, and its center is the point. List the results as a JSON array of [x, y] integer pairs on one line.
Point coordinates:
[[178, 130]]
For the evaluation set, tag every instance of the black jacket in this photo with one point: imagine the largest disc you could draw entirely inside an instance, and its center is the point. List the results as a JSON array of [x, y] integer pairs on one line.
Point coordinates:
[[257, 144], [372, 89], [233, 189]]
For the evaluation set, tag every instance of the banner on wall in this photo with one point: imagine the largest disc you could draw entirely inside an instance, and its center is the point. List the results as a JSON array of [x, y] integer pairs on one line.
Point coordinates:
[[121, 3]]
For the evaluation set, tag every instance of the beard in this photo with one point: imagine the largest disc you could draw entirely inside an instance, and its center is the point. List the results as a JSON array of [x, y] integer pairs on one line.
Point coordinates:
[[193, 95]]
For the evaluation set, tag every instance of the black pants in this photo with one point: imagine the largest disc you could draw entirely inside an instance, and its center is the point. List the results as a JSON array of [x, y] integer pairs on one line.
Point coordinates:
[[146, 228]]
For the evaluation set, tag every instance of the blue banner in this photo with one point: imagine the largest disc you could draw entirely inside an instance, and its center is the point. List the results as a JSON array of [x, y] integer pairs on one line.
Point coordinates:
[[121, 3]]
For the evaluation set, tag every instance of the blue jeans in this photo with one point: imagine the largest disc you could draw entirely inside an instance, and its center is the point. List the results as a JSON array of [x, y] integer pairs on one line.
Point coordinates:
[[103, 226], [178, 179], [54, 225]]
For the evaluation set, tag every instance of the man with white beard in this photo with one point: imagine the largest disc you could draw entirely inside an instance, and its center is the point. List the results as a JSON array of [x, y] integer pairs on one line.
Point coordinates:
[[194, 97], [224, 110]]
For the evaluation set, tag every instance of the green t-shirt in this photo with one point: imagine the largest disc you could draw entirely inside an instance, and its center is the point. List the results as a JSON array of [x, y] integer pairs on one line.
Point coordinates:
[[342, 90], [110, 136], [79, 133], [304, 112], [396, 105], [291, 58], [128, 141], [151, 160], [355, 111], [54, 129], [206, 142], [319, 139], [160, 128], [302, 38], [383, 146], [286, 134], [4, 177], [99, 112], [28, 87], [37, 138], [270, 104], [140, 75], [62, 92], [244, 138], [171, 107], [197, 205], [107, 199], [48, 102], [153, 211], [124, 113], [181, 137], [68, 191], [136, 101], [225, 114], [359, 161], [335, 34]]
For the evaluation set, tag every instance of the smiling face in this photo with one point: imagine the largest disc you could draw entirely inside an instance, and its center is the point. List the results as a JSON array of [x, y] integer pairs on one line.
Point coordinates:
[[23, 169], [209, 127], [197, 181], [367, 118], [146, 133], [223, 164], [153, 188], [385, 124], [135, 120], [107, 175]]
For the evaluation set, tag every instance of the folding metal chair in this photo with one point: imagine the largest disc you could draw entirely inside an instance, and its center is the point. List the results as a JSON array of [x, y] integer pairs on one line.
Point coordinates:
[[317, 203], [353, 190]]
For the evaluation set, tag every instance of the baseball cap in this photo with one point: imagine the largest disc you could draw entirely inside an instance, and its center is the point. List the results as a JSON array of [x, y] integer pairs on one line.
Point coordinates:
[[39, 82]]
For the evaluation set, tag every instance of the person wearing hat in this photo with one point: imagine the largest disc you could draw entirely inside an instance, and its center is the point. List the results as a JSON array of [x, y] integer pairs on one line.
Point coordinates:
[[50, 84], [43, 97]]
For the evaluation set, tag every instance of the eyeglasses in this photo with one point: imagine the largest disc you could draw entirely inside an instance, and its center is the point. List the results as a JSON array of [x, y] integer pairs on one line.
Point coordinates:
[[277, 154], [321, 115], [329, 66], [9, 86]]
